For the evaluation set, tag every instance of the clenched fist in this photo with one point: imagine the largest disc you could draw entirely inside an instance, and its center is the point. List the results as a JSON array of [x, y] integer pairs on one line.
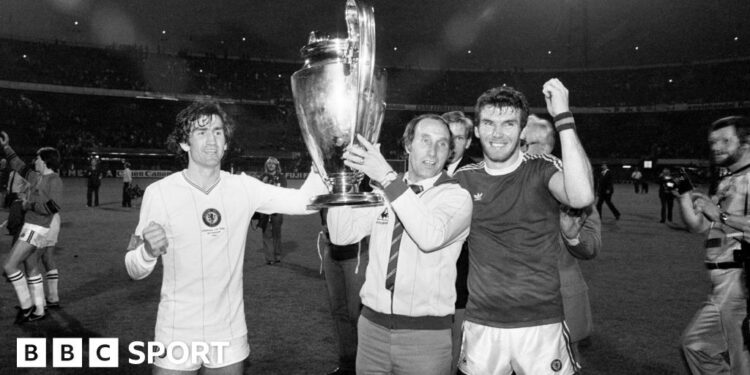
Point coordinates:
[[155, 239], [556, 96]]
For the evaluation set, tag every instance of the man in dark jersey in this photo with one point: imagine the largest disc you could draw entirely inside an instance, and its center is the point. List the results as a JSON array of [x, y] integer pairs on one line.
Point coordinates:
[[514, 316]]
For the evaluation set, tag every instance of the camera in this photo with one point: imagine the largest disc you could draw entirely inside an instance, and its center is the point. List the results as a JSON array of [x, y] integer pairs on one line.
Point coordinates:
[[682, 182], [669, 185]]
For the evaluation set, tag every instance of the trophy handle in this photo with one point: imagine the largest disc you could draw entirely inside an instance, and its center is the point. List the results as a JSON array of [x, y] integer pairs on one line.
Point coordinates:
[[360, 20]]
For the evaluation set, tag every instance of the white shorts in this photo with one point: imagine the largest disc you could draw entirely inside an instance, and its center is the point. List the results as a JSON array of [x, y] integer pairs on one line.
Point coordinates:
[[543, 349], [54, 231], [39, 236], [216, 357]]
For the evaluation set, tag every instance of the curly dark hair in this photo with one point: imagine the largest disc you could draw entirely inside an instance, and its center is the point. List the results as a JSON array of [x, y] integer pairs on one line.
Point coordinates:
[[189, 118], [503, 97]]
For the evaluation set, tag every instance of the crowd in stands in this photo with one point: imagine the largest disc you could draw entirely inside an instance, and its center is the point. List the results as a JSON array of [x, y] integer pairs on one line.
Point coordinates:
[[78, 124], [689, 83], [131, 68]]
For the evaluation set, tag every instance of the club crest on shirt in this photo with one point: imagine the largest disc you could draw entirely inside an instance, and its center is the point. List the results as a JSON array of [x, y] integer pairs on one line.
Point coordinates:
[[556, 365], [211, 217]]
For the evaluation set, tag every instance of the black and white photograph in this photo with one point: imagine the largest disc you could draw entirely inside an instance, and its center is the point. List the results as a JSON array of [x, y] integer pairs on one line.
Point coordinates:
[[375, 187]]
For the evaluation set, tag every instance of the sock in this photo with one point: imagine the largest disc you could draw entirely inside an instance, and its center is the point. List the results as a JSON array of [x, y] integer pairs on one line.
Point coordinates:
[[22, 290], [52, 278], [36, 287]]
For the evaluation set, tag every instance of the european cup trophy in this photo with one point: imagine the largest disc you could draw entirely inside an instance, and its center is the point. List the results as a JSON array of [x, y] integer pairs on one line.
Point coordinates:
[[338, 94]]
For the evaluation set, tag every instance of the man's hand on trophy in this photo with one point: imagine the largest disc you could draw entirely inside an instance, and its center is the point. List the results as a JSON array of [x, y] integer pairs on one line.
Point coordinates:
[[556, 96], [367, 158]]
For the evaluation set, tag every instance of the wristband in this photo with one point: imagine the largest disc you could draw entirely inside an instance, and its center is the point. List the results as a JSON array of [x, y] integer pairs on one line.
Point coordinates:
[[564, 121], [562, 116], [9, 153]]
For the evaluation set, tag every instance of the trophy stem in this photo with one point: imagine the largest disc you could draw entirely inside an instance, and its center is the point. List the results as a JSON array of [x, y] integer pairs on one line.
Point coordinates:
[[344, 182], [345, 192]]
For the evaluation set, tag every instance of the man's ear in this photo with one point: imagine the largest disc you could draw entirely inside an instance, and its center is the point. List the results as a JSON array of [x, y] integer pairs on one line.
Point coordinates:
[[185, 147], [468, 141], [407, 148]]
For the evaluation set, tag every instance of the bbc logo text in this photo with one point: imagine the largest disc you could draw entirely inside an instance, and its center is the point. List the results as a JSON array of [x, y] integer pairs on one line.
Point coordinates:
[[104, 352]]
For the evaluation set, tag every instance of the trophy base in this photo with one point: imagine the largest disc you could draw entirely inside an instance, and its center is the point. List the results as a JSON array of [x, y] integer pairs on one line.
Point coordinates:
[[346, 199]]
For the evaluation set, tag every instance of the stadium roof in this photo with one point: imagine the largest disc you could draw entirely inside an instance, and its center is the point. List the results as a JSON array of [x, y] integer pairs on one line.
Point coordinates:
[[435, 34]]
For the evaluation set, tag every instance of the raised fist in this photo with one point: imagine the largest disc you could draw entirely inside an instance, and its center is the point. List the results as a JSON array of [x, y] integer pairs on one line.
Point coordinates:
[[4, 139], [556, 96]]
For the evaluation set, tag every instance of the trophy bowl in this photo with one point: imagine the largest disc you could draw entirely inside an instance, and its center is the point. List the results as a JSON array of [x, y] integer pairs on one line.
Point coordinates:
[[338, 94]]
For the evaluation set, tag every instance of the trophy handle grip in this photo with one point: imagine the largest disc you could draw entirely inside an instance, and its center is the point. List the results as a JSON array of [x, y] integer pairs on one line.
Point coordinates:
[[360, 19]]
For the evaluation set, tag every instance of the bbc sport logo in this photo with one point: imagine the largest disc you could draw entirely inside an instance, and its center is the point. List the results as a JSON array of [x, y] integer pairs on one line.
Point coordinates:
[[104, 352]]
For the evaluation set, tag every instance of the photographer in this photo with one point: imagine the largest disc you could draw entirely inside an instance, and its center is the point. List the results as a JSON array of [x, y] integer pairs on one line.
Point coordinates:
[[712, 341], [666, 194]]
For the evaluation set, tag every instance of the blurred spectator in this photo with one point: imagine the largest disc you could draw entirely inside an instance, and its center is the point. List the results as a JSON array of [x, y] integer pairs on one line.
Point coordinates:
[[273, 175], [666, 196], [636, 177], [94, 177], [127, 180], [605, 189]]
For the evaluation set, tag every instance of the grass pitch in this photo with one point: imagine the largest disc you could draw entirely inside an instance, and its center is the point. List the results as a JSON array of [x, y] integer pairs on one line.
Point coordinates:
[[644, 287]]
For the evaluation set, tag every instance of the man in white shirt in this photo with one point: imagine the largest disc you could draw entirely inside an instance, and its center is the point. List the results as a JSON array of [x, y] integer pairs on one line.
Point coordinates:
[[415, 239], [197, 221], [127, 179]]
